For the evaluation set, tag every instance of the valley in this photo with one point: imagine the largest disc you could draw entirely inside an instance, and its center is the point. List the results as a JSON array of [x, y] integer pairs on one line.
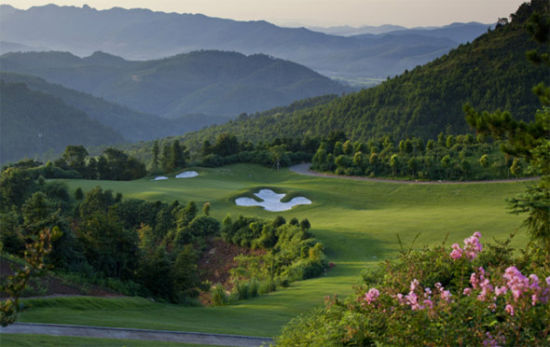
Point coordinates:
[[332, 184], [356, 221]]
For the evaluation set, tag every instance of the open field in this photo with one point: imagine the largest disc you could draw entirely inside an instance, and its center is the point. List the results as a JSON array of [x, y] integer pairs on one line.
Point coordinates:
[[356, 220]]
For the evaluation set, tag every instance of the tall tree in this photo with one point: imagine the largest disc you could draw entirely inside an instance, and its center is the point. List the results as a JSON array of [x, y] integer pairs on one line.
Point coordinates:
[[528, 140], [156, 152]]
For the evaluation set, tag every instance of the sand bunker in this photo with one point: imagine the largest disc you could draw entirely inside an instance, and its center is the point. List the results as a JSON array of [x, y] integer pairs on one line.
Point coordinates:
[[187, 174], [272, 201], [160, 178]]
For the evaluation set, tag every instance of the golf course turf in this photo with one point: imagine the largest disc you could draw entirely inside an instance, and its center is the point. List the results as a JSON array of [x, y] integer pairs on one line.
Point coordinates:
[[357, 221]]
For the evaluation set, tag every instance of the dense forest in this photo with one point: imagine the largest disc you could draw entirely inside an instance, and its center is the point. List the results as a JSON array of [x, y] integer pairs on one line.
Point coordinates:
[[491, 73], [131, 124], [450, 157], [147, 248]]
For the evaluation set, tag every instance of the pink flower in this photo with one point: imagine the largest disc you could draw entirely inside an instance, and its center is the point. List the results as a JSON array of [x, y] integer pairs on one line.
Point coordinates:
[[500, 290], [516, 282], [428, 303], [401, 299], [486, 288], [446, 295], [548, 280], [372, 295], [534, 299], [412, 300], [467, 291], [457, 252], [414, 284], [472, 246], [473, 280], [509, 309]]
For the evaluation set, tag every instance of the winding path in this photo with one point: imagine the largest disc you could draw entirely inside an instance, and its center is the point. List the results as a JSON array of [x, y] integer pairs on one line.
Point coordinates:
[[303, 169], [134, 334]]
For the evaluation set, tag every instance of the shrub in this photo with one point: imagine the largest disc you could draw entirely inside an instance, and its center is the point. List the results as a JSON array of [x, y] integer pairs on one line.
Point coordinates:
[[219, 297], [440, 297]]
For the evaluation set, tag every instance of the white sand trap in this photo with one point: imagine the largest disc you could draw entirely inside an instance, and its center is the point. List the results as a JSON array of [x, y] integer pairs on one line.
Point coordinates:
[[187, 174], [160, 178], [272, 201]]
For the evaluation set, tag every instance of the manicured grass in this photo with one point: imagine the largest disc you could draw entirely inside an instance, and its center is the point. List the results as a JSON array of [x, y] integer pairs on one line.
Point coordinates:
[[24, 340], [356, 220]]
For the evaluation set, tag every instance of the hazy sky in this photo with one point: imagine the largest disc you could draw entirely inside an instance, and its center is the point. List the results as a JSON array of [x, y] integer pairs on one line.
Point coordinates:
[[319, 12]]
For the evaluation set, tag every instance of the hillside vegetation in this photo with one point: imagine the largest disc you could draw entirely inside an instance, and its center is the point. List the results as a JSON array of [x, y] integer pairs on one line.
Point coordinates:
[[131, 124], [33, 123], [490, 73], [208, 82]]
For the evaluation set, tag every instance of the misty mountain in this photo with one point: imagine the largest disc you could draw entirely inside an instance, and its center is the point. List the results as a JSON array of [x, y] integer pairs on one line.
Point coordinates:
[[131, 124], [32, 123], [346, 30], [458, 32], [222, 84], [144, 34]]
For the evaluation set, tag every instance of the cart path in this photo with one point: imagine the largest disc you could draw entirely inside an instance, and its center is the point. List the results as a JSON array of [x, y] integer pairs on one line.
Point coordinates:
[[135, 334], [304, 169]]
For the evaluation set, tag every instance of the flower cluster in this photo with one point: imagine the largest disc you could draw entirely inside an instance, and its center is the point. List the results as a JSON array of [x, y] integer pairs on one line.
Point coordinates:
[[472, 247], [372, 295], [516, 283], [425, 301]]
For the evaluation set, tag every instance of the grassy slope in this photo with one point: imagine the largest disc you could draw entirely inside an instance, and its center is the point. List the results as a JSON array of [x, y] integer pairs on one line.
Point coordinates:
[[357, 221]]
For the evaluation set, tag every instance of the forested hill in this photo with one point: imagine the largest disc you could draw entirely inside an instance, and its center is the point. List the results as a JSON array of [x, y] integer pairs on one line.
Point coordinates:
[[491, 73], [132, 125], [207, 82], [32, 123]]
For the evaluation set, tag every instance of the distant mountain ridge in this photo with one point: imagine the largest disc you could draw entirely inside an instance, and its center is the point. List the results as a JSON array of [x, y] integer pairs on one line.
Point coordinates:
[[221, 84], [144, 34]]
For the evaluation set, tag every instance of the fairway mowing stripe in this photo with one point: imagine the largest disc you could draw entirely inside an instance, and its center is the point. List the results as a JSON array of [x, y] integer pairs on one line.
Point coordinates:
[[135, 334]]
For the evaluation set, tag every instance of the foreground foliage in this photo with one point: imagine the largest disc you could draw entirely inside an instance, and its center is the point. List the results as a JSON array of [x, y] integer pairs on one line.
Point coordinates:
[[439, 297]]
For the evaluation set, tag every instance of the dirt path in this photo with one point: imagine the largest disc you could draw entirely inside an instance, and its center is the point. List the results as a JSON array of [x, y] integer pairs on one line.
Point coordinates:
[[135, 334], [303, 169]]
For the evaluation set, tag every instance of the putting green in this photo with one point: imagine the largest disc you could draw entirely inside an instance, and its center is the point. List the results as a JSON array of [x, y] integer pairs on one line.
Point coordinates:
[[356, 220]]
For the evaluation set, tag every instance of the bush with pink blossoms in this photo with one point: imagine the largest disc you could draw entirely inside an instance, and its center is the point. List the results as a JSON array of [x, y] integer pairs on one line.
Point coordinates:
[[443, 296]]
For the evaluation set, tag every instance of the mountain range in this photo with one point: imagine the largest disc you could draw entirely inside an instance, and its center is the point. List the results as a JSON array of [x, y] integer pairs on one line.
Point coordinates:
[[214, 83], [144, 34]]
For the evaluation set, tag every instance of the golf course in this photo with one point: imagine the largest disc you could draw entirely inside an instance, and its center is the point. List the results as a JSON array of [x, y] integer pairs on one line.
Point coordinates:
[[357, 221]]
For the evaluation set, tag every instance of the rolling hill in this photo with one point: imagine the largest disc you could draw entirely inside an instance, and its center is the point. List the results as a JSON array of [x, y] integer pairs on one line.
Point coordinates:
[[203, 82], [132, 125], [491, 73], [144, 34], [32, 123]]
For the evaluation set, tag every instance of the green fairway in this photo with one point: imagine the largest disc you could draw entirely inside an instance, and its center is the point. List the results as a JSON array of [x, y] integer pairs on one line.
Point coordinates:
[[23, 340], [356, 220]]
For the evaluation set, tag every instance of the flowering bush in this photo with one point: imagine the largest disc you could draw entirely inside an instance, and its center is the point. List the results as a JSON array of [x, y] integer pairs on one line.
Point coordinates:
[[440, 297]]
